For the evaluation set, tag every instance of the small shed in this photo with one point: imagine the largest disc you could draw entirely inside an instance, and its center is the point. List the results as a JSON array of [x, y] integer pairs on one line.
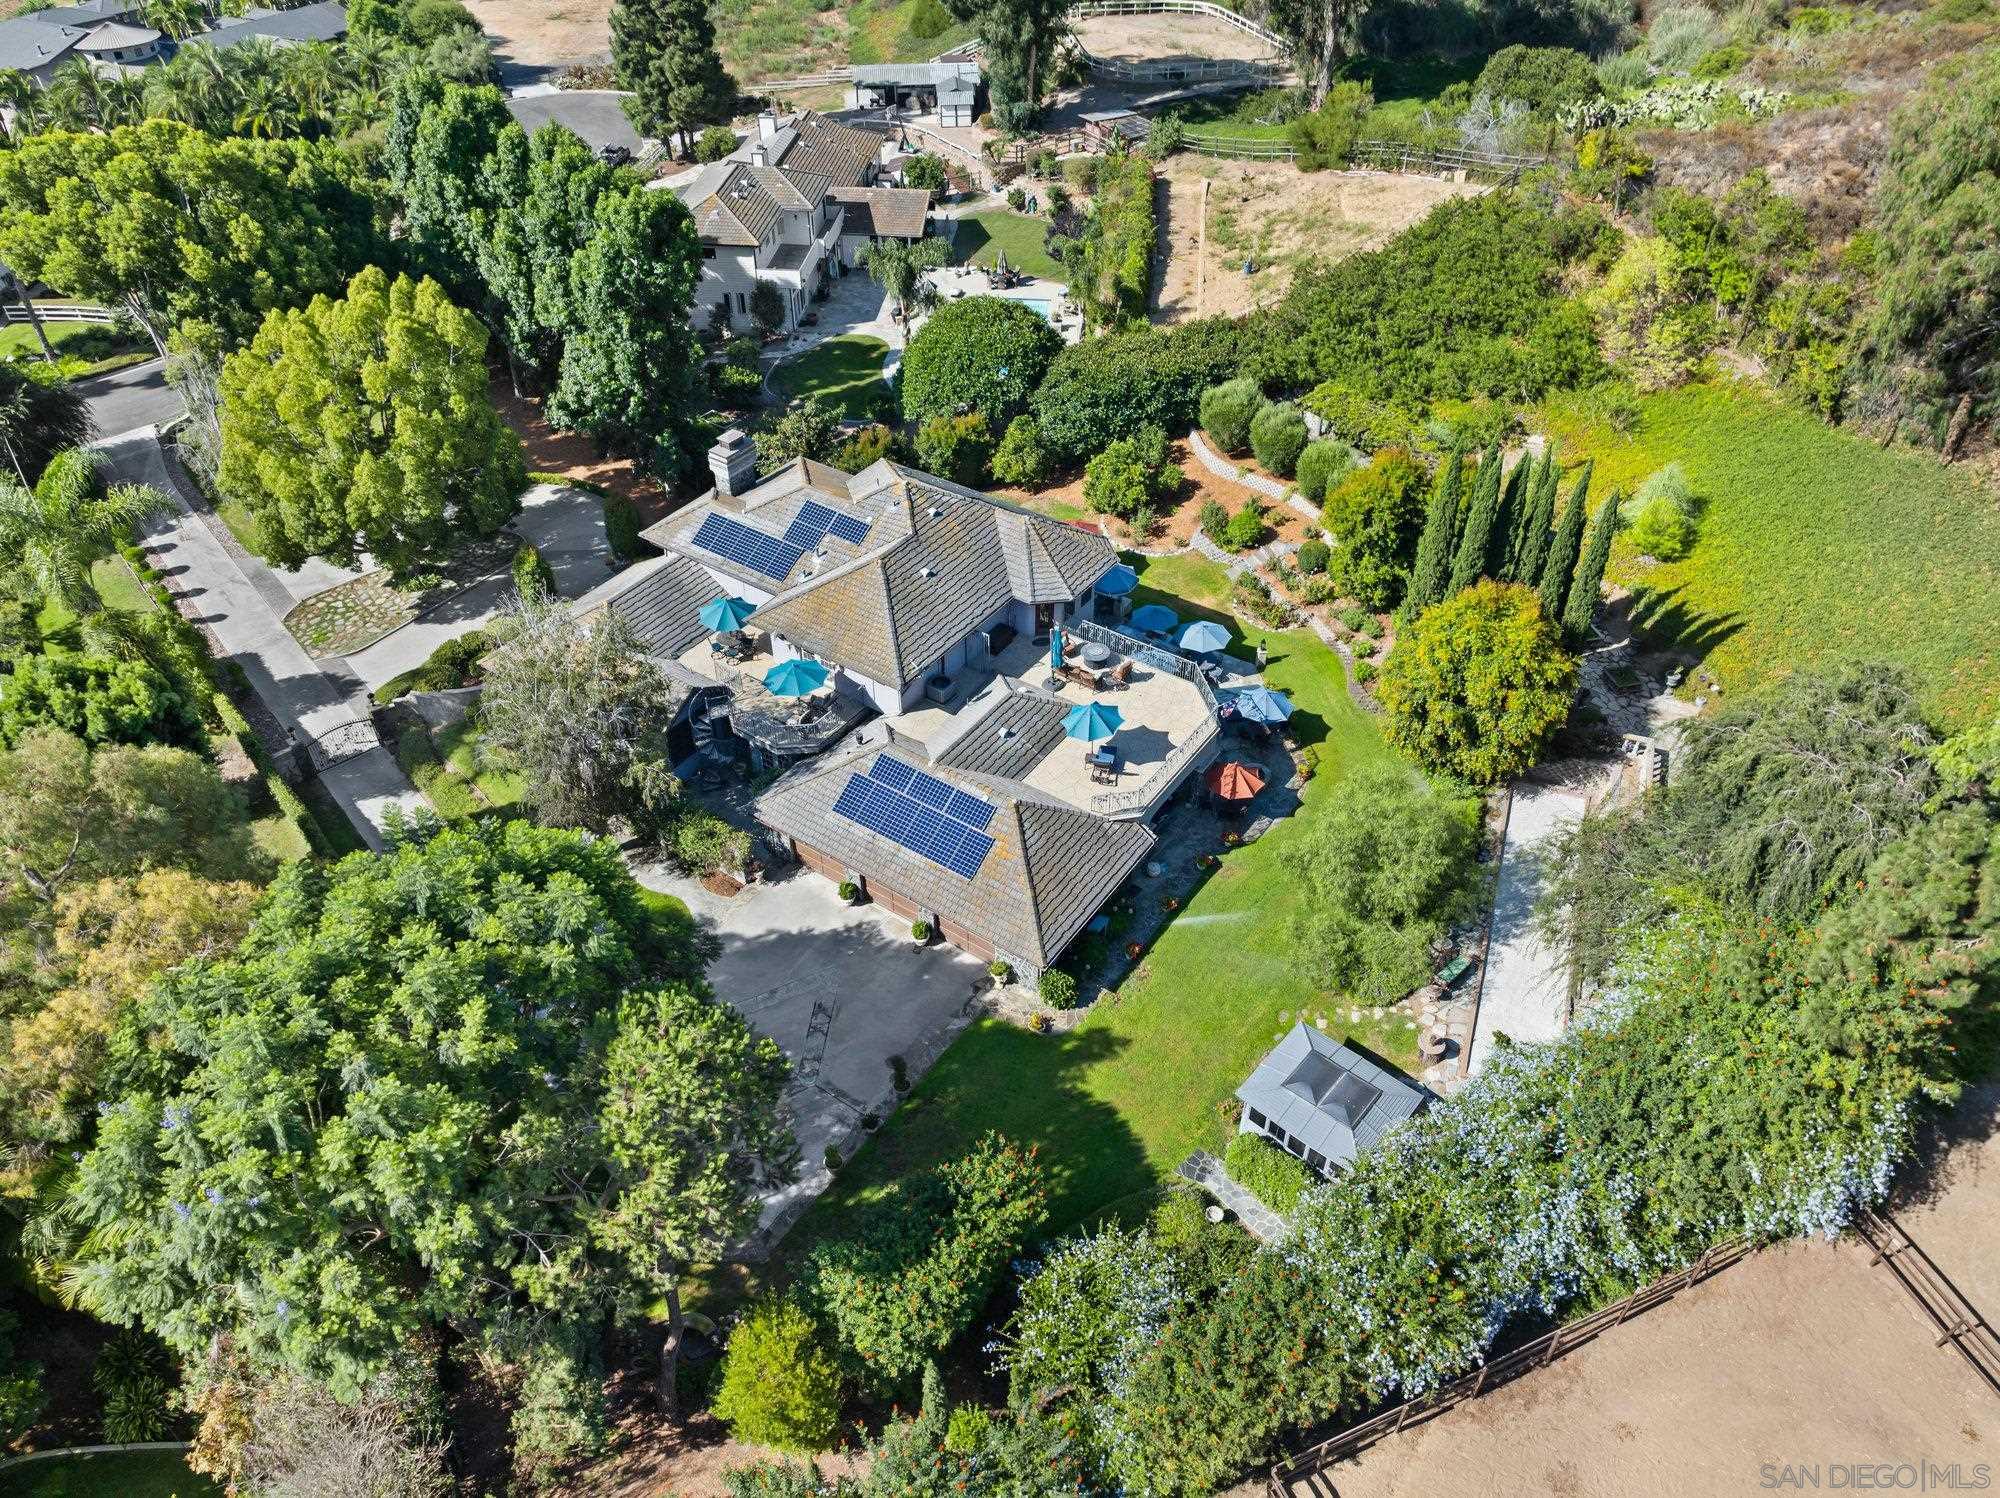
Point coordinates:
[[1118, 129], [1322, 1101], [949, 90]]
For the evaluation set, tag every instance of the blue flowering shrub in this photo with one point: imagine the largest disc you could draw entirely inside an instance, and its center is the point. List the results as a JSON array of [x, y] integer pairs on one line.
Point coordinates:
[[1267, 1172], [1745, 1079]]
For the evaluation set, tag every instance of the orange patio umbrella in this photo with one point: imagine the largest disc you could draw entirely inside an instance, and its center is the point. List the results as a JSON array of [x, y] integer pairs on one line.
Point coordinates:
[[1233, 780]]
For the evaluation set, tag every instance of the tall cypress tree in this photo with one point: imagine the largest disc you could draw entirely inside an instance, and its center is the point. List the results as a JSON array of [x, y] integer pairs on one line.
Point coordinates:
[[1472, 541], [1582, 602], [664, 51], [1432, 568], [1561, 560], [1538, 522], [1505, 538]]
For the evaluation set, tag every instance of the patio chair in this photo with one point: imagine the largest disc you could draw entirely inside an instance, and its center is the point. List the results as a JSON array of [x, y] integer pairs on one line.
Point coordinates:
[[1121, 675]]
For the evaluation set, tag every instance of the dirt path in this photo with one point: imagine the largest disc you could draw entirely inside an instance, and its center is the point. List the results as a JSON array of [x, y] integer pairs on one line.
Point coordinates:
[[536, 33], [1157, 38]]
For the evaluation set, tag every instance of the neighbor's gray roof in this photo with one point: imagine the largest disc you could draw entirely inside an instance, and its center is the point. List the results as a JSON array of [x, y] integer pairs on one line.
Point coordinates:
[[117, 34], [29, 42], [321, 21], [1328, 1096], [938, 561], [88, 13], [916, 74], [1052, 867], [1009, 736]]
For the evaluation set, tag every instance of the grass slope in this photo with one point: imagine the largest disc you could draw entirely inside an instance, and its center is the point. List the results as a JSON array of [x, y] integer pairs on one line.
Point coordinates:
[[1122, 1099], [845, 372], [1815, 545], [762, 39], [111, 1474]]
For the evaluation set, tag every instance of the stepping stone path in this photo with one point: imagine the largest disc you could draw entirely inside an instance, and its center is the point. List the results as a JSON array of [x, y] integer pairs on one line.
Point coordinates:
[[1206, 1172]]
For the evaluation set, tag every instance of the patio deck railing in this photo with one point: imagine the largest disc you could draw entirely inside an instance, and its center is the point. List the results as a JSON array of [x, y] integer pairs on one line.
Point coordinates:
[[1137, 798]]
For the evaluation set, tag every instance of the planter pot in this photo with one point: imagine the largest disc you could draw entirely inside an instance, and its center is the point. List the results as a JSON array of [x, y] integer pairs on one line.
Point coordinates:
[[1133, 949]]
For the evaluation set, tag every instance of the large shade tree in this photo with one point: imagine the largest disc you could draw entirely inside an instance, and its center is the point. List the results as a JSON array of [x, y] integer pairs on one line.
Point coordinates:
[[409, 1104], [170, 223], [41, 414], [366, 425], [664, 51], [1020, 40]]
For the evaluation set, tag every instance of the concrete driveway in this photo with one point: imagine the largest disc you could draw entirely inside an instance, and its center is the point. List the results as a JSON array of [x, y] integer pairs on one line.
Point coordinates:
[[597, 116], [1526, 991], [127, 399], [567, 527], [791, 953]]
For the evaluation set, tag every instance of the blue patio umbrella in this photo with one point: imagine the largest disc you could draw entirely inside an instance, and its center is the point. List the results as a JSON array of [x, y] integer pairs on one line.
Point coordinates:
[[726, 613], [795, 678], [1262, 705], [1092, 721], [1201, 637], [1119, 581], [1156, 617], [1055, 648]]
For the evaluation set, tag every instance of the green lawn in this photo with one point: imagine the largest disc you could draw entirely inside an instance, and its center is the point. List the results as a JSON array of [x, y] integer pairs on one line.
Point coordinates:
[[1816, 545], [110, 1474], [1118, 1102], [845, 372], [981, 236], [242, 524], [84, 348], [449, 769]]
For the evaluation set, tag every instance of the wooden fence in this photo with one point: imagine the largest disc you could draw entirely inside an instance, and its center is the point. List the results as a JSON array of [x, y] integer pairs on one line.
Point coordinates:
[[1955, 1319], [1302, 1466], [1181, 8]]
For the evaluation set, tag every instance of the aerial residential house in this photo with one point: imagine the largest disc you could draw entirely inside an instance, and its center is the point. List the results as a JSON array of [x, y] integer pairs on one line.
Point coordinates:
[[112, 38], [933, 771], [792, 206], [948, 89], [1322, 1101], [320, 21]]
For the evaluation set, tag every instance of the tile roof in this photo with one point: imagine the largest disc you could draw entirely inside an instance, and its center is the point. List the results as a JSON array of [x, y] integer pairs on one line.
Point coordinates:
[[951, 560], [884, 212], [736, 208], [664, 606], [31, 41], [321, 21], [1019, 730], [1328, 1096], [1050, 870], [841, 153]]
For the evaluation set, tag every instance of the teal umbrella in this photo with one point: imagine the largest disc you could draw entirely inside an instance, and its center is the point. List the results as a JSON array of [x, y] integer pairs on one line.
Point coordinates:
[[1262, 705], [1092, 721], [795, 678], [1156, 617], [1201, 637], [1056, 648], [1119, 581], [726, 613]]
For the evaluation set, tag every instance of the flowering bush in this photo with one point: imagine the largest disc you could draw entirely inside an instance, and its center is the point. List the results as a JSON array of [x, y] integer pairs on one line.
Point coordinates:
[[1685, 104]]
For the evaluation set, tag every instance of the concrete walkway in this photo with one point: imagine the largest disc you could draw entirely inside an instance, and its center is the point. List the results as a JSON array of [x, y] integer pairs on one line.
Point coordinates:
[[1208, 1173], [1222, 468], [1526, 991], [238, 616]]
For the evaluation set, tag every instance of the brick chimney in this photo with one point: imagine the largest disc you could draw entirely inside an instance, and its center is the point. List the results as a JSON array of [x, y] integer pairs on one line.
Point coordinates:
[[733, 462]]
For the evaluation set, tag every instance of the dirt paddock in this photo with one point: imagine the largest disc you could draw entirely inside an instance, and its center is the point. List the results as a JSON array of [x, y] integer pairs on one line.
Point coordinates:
[[1162, 37], [1803, 1356], [537, 33], [1274, 216]]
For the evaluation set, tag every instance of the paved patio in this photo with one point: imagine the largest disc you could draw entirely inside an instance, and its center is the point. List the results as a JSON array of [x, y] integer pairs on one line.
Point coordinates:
[[1207, 1172]]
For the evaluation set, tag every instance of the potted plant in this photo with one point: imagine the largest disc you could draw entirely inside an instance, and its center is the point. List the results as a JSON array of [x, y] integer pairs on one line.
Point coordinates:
[[1171, 903], [1038, 1022], [920, 932], [849, 891], [1000, 972], [1133, 949]]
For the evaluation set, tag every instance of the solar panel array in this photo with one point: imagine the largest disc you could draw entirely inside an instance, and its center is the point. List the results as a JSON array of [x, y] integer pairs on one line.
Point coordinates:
[[815, 522], [748, 547], [921, 813]]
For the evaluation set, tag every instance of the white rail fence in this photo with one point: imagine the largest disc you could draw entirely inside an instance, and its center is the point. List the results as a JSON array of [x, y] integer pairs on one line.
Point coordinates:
[[59, 312]]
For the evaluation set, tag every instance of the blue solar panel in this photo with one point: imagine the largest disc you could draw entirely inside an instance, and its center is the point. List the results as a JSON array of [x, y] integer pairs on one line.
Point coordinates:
[[892, 772], [814, 520], [925, 830], [930, 790], [747, 546], [970, 810]]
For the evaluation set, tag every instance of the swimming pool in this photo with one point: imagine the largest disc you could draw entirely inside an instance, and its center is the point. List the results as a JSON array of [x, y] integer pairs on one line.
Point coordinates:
[[1040, 306]]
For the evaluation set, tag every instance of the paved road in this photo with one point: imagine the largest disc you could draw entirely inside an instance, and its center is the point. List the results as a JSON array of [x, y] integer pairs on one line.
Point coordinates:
[[195, 563], [596, 115], [1526, 993], [127, 399]]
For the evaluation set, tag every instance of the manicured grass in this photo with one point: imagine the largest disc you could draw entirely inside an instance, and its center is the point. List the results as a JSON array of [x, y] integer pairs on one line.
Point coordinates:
[[845, 372], [1117, 1103], [1815, 546], [119, 586], [110, 1474], [235, 514], [981, 236], [447, 767], [84, 348]]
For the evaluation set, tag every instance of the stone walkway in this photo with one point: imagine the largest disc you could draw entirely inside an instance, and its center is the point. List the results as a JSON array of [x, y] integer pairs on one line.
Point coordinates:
[[1206, 1172], [1222, 468]]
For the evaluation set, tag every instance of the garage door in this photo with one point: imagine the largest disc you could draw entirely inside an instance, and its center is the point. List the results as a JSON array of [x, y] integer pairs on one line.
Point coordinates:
[[882, 895], [819, 863], [965, 941]]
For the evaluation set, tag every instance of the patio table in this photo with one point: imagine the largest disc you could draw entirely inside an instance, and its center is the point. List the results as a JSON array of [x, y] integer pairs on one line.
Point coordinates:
[[1095, 654]]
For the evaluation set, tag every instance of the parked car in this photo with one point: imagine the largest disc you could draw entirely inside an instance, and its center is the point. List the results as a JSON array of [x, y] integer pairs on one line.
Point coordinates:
[[614, 154]]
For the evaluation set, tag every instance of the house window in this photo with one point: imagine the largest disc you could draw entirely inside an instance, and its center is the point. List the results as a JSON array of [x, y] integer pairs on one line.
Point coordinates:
[[1257, 1120], [708, 252], [1294, 1146], [742, 303], [1316, 1160]]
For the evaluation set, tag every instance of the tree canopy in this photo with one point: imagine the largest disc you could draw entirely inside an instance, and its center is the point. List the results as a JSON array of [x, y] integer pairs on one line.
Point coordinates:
[[1479, 683], [366, 424], [1376, 515], [981, 353], [171, 223], [664, 51]]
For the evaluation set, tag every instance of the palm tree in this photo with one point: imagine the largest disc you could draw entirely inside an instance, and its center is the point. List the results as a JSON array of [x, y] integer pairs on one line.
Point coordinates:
[[25, 103], [76, 95], [311, 73], [179, 19], [200, 73], [367, 57], [124, 100], [68, 520], [898, 267], [40, 415], [263, 110]]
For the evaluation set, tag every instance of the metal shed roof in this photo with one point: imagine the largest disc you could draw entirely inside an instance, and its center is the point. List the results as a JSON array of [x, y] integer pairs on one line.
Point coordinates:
[[1328, 1096]]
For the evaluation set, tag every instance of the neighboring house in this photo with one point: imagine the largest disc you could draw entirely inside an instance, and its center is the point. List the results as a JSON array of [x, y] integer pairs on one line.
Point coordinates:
[[949, 90], [1322, 1101], [108, 35], [932, 607], [792, 206]]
